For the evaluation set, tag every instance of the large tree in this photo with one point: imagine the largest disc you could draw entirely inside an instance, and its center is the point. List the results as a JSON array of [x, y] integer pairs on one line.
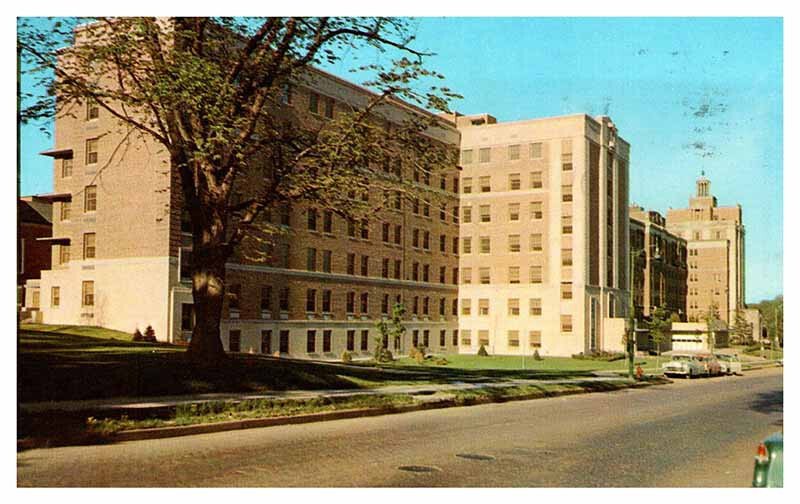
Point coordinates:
[[212, 92]]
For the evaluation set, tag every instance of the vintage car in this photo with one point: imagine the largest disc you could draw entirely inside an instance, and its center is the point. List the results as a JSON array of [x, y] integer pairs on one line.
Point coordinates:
[[730, 363], [710, 363], [684, 364], [768, 471]]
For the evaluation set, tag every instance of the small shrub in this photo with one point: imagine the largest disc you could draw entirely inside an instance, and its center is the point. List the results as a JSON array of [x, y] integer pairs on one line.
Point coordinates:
[[441, 361], [346, 357], [150, 334], [137, 335], [386, 355], [536, 355], [482, 352]]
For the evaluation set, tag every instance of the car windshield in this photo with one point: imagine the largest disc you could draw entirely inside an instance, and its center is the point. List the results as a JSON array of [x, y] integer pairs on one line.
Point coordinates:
[[681, 358]]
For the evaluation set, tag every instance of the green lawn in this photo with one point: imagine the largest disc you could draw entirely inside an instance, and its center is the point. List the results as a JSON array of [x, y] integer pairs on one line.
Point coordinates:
[[90, 331], [517, 363]]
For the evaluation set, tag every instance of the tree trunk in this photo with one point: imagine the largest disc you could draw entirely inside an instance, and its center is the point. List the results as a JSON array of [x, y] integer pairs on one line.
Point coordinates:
[[208, 291]]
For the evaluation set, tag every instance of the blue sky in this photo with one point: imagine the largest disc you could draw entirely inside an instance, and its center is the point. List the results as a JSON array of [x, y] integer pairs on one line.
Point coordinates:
[[689, 94]]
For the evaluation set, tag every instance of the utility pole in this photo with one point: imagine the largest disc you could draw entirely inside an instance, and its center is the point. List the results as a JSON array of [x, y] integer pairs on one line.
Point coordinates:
[[631, 332]]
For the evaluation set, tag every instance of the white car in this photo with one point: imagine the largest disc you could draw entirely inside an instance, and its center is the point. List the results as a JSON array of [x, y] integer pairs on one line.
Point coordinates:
[[730, 363], [686, 365]]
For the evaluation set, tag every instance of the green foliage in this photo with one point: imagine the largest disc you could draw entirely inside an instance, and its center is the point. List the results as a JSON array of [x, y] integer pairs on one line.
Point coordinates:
[[659, 325], [482, 352], [390, 330], [536, 355], [149, 335], [418, 354], [710, 317], [600, 355], [346, 357], [741, 332], [137, 335], [772, 317]]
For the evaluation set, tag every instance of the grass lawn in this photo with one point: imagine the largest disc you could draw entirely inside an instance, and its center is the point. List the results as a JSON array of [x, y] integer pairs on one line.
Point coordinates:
[[548, 364], [90, 331]]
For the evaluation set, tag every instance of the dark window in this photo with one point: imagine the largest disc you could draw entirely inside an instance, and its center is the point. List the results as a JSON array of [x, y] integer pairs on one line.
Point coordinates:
[[365, 265], [351, 340], [311, 341], [351, 302], [234, 295], [235, 341], [326, 340], [283, 345], [455, 337], [442, 338], [327, 221], [326, 301], [415, 338], [313, 103], [283, 299], [311, 300], [312, 219], [266, 341], [187, 316], [364, 339], [266, 297], [364, 302], [351, 264]]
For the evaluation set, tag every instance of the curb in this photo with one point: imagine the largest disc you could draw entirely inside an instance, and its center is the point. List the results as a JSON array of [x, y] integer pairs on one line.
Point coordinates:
[[187, 430]]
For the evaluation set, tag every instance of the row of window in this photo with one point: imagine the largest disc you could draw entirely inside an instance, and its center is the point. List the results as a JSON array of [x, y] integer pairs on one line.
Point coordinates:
[[89, 203], [514, 245], [514, 152], [512, 304], [512, 337], [87, 294]]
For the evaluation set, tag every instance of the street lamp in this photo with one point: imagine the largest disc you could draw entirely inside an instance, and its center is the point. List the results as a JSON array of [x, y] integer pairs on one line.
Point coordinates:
[[631, 332]]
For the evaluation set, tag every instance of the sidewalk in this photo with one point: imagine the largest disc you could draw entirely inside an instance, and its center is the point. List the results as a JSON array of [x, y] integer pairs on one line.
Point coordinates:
[[142, 404]]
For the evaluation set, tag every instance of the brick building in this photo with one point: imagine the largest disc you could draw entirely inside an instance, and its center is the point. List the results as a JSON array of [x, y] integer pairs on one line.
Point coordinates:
[[34, 221], [660, 268], [715, 242]]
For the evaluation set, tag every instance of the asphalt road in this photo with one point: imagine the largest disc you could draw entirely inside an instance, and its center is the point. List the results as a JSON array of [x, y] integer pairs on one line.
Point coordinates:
[[691, 433]]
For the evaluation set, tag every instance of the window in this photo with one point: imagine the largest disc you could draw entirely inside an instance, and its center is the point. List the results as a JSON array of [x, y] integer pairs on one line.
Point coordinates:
[[234, 295], [566, 323], [91, 151], [385, 304], [442, 274], [364, 229], [426, 338], [185, 267], [513, 152], [485, 183], [466, 275], [425, 305], [313, 103], [514, 182], [351, 264], [329, 104], [283, 299], [426, 273], [364, 339], [484, 155], [442, 243], [466, 156], [566, 257], [398, 233], [455, 244], [443, 212], [397, 268], [483, 337], [484, 275], [442, 183], [513, 243], [513, 274], [566, 162], [513, 339], [535, 338], [535, 305], [485, 213], [426, 208], [455, 214], [415, 271], [187, 316], [483, 307], [311, 341], [426, 240], [415, 305], [327, 221], [454, 309], [286, 93], [385, 232], [536, 180], [266, 297], [66, 167], [566, 290], [326, 340], [63, 254], [466, 185], [536, 150], [442, 338], [536, 274], [566, 192], [351, 302], [566, 224], [90, 199], [536, 242], [311, 259], [364, 302], [442, 306], [235, 341], [55, 296], [536, 210], [466, 307], [486, 245], [66, 208], [87, 293], [266, 341], [415, 338], [364, 265], [351, 340], [312, 219], [89, 245], [326, 260], [513, 307], [455, 276], [92, 110], [466, 337], [467, 214], [283, 341], [466, 247], [513, 212], [285, 215], [327, 296], [385, 268]]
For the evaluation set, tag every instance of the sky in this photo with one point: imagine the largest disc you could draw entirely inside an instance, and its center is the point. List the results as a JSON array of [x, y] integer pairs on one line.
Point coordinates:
[[688, 94]]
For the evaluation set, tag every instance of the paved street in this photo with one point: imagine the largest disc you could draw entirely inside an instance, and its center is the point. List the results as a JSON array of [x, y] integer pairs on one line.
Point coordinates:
[[691, 433]]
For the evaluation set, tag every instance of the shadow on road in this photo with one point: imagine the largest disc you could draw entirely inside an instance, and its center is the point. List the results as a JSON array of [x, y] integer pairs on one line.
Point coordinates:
[[768, 402]]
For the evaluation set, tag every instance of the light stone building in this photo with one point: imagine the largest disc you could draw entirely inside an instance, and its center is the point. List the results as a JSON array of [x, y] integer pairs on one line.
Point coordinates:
[[544, 235], [715, 239]]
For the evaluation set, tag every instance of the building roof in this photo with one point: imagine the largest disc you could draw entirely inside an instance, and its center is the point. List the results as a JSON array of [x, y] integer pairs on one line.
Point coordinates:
[[34, 212]]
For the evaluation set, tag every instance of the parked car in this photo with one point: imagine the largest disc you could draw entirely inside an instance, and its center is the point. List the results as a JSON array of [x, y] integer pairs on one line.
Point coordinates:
[[768, 471], [710, 364], [730, 363], [683, 364]]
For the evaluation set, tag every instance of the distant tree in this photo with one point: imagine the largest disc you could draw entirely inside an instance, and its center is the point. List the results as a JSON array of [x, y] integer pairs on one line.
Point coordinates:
[[710, 317], [741, 331], [482, 352], [391, 330], [659, 326]]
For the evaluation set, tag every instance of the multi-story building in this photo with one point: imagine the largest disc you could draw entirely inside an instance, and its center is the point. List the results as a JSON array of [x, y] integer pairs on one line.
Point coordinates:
[[544, 235], [34, 218], [715, 241], [659, 259], [120, 248]]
